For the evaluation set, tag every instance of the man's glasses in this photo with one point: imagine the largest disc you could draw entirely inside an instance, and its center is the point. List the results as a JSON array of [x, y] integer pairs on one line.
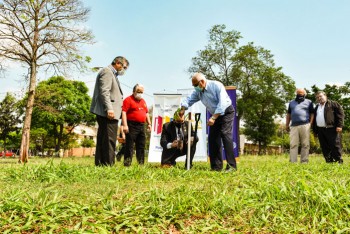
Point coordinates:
[[195, 85]]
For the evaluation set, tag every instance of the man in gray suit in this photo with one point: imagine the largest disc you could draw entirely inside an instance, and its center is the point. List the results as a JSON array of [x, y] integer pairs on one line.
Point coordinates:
[[107, 104]]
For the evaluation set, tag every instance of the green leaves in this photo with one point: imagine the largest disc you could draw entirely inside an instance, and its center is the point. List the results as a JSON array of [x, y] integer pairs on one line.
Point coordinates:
[[9, 118], [60, 106]]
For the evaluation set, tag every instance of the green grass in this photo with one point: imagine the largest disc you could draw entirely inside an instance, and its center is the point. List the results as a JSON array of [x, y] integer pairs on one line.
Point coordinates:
[[266, 195]]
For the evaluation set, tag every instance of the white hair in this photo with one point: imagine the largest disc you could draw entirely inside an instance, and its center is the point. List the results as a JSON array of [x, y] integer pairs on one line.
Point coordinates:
[[199, 76], [137, 86]]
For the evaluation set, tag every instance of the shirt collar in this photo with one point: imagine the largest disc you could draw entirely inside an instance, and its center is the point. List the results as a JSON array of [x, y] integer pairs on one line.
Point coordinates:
[[113, 70]]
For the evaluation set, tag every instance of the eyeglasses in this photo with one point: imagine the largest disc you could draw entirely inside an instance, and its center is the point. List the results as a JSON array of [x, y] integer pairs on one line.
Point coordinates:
[[139, 92], [195, 85]]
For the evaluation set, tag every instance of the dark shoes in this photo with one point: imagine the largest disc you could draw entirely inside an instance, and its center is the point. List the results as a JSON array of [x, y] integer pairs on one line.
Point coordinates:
[[227, 170]]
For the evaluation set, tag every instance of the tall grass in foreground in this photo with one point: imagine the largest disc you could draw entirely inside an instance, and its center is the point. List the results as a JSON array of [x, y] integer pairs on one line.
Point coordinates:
[[266, 195]]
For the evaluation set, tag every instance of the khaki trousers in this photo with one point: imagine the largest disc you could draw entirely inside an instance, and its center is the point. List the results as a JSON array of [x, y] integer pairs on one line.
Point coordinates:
[[300, 134]]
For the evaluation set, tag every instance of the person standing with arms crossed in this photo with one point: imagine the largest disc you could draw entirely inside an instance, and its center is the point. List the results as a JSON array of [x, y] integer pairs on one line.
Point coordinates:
[[134, 116], [215, 98], [301, 114], [107, 106]]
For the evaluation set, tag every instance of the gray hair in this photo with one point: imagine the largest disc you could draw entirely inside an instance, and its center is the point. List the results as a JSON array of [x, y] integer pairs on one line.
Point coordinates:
[[137, 86], [320, 92], [199, 76]]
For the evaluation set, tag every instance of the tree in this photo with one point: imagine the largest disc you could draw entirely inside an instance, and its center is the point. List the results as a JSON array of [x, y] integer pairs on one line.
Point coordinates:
[[42, 34], [263, 89], [39, 139], [9, 118], [215, 61], [61, 105]]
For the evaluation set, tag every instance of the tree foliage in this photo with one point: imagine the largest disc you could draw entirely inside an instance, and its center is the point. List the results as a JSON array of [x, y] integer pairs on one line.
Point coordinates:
[[61, 105], [42, 34], [9, 118], [88, 143], [263, 89], [216, 60]]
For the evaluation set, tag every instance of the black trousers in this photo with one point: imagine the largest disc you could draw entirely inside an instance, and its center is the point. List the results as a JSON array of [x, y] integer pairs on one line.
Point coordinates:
[[106, 141], [136, 136], [330, 141], [121, 152], [169, 156], [221, 133]]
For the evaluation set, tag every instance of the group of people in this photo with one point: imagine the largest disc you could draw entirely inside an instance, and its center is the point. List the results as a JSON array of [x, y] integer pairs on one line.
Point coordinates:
[[326, 121], [109, 107]]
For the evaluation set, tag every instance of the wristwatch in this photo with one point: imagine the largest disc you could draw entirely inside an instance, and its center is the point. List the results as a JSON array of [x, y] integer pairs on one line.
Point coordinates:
[[213, 118]]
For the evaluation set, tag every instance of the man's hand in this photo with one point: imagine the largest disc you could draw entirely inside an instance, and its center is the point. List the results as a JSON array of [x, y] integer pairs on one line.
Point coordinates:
[[338, 129], [125, 129], [182, 112], [211, 122], [192, 139], [149, 128], [174, 144], [110, 114]]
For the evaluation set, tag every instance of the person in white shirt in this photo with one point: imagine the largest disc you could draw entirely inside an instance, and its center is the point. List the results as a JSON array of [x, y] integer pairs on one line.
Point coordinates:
[[328, 125]]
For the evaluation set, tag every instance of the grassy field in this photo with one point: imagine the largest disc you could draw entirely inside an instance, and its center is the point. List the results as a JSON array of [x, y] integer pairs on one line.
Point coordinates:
[[266, 195]]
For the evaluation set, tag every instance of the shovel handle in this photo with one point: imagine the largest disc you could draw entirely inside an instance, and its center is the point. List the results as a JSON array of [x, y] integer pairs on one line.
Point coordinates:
[[197, 116]]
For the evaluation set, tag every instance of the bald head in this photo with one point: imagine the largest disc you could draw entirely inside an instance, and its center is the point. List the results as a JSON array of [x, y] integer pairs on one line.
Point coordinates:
[[197, 78], [301, 92]]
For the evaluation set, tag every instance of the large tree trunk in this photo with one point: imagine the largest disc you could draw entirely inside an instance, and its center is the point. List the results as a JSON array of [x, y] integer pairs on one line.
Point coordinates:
[[24, 150]]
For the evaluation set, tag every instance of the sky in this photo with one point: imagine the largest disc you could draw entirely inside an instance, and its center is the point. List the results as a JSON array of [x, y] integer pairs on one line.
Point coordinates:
[[308, 38]]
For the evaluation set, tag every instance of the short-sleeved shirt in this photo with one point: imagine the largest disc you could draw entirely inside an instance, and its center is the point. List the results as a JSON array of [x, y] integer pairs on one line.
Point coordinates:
[[300, 112], [136, 110]]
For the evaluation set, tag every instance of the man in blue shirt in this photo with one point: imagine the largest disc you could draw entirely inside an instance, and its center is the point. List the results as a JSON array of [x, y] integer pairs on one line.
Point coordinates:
[[215, 98], [301, 114]]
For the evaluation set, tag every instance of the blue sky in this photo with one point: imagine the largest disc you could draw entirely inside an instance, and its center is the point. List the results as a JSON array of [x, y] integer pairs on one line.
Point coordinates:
[[308, 38]]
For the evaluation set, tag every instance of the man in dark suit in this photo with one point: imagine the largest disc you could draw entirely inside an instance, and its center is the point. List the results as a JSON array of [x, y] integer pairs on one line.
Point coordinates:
[[174, 139], [328, 125], [107, 104]]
